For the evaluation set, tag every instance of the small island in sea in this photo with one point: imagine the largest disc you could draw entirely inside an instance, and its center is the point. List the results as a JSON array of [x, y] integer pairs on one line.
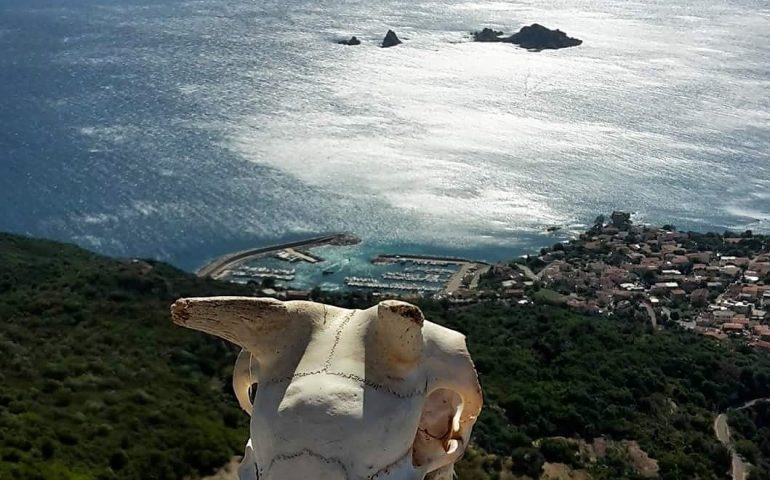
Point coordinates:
[[352, 41], [390, 40], [534, 37]]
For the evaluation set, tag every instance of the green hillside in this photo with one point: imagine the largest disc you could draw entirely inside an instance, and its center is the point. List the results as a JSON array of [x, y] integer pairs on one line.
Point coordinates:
[[97, 383], [549, 372]]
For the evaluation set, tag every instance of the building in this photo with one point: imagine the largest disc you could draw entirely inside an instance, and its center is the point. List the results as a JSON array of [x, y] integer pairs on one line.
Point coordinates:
[[733, 327], [722, 316], [678, 294], [664, 287]]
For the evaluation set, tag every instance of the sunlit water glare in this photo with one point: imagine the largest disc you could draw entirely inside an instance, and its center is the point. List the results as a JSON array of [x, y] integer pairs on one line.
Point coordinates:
[[183, 129]]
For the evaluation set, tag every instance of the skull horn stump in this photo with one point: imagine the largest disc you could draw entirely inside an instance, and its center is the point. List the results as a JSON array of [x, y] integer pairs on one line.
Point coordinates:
[[339, 394]]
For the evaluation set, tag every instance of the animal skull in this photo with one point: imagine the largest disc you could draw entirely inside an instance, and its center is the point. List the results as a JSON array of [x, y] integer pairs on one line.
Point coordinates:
[[344, 394]]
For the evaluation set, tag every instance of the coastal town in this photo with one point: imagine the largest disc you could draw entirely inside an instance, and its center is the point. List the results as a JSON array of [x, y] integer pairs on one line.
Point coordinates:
[[715, 284]]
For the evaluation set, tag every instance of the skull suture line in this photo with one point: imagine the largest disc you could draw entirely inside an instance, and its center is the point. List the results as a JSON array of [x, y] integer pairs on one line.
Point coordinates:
[[344, 394]]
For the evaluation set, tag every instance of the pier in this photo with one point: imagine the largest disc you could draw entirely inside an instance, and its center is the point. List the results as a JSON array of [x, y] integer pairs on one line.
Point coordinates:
[[426, 274], [376, 284], [432, 269], [220, 265], [434, 261]]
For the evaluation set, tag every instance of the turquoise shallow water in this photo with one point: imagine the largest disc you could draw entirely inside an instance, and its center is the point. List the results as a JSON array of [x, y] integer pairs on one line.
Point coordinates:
[[181, 129]]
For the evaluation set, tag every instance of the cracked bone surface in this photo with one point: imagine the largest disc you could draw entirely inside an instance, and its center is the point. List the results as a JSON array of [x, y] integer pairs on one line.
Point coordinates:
[[344, 394]]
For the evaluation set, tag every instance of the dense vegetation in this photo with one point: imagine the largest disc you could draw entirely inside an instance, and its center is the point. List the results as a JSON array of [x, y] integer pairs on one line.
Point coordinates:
[[98, 384], [549, 372], [751, 429]]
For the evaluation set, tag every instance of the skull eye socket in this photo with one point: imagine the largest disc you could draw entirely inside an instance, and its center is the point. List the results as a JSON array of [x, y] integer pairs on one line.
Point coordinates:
[[438, 440]]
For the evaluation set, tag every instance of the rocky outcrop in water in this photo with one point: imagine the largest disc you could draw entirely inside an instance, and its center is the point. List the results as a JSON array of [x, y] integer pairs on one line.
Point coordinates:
[[390, 40], [532, 37], [488, 35], [353, 41], [538, 37]]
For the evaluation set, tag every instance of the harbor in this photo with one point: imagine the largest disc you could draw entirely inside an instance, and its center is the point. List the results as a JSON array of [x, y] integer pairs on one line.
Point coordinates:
[[223, 266], [458, 276], [340, 263], [248, 273]]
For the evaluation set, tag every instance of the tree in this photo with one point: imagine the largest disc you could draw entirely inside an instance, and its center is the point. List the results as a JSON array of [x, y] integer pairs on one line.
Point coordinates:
[[557, 450], [748, 450], [527, 461], [648, 277], [47, 449], [118, 460]]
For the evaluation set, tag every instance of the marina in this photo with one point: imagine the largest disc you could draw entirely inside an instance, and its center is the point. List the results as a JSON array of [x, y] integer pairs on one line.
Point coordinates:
[[245, 272], [438, 271], [337, 263], [218, 267], [414, 277], [429, 260], [376, 284]]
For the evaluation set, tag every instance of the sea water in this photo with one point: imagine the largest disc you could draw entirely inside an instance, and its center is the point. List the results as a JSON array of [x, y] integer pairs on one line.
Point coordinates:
[[181, 130]]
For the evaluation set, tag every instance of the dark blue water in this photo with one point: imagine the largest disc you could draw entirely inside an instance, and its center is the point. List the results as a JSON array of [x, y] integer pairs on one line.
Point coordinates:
[[184, 129]]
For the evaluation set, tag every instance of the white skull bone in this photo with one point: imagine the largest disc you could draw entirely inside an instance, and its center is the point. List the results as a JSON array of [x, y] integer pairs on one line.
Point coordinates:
[[344, 394]]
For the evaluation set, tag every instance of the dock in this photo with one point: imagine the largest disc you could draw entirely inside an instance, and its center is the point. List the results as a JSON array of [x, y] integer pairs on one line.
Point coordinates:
[[292, 255], [464, 279], [227, 262], [431, 260]]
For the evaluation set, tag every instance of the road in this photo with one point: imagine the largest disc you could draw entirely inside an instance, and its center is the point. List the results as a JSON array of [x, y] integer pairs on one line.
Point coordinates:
[[651, 313], [535, 277], [456, 280], [219, 265], [722, 431], [476, 278]]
